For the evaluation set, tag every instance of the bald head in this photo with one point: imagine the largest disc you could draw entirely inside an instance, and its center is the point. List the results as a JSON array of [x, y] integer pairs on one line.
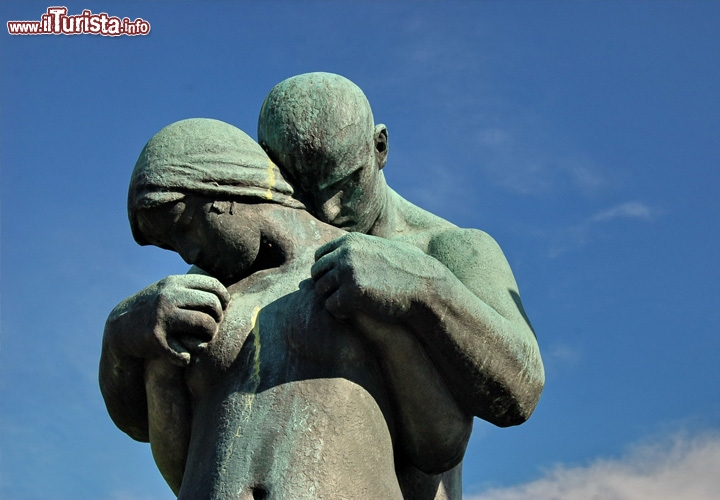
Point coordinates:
[[314, 125], [319, 127]]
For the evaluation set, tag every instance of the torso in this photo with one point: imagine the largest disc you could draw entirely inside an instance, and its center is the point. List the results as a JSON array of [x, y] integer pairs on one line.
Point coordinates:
[[307, 417], [288, 405]]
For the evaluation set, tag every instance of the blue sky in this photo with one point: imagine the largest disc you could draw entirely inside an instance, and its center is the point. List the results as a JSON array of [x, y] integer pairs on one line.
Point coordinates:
[[584, 136]]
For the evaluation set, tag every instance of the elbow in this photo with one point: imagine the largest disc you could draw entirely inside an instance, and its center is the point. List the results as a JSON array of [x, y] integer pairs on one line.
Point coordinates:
[[522, 405], [127, 409], [528, 394], [510, 406], [131, 422], [136, 432], [516, 414]]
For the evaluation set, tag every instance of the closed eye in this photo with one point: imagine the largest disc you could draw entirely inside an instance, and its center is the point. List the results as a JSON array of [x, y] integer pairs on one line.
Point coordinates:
[[351, 180]]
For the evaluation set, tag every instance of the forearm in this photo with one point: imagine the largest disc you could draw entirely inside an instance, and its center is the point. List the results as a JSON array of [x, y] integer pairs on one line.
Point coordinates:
[[154, 324], [459, 299], [491, 363]]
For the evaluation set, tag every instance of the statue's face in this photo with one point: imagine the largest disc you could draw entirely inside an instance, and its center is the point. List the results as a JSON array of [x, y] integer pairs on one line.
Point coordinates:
[[221, 243], [320, 129], [346, 190]]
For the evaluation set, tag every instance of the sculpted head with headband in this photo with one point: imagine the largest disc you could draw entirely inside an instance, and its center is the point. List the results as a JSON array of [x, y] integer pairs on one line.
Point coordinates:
[[207, 158], [206, 190]]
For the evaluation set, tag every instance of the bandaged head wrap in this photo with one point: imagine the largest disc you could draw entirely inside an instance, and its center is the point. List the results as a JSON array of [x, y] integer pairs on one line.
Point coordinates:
[[204, 157]]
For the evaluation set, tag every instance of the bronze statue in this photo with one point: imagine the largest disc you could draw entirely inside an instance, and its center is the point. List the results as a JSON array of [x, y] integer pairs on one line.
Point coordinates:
[[298, 360]]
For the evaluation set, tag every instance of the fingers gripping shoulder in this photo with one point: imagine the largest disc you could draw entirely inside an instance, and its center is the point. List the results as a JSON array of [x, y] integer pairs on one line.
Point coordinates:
[[175, 284]]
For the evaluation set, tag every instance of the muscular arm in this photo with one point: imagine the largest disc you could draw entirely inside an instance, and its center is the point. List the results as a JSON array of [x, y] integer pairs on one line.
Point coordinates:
[[147, 342], [122, 376], [474, 327], [460, 302]]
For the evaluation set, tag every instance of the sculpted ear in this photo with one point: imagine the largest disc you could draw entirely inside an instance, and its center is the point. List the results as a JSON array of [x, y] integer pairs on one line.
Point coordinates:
[[381, 145]]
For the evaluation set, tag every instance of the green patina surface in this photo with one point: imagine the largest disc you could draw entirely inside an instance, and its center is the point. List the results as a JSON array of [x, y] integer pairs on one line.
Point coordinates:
[[334, 340]]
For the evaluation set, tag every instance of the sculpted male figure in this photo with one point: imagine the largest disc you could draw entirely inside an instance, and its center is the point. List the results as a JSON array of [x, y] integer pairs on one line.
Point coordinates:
[[416, 284], [457, 296], [247, 387]]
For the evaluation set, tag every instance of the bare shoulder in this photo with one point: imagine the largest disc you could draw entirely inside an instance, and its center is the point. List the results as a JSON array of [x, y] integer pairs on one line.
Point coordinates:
[[467, 249], [471, 255], [476, 259]]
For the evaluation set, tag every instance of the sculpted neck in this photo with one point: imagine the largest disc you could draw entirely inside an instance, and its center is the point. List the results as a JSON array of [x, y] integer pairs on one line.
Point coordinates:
[[288, 237], [390, 221], [293, 232]]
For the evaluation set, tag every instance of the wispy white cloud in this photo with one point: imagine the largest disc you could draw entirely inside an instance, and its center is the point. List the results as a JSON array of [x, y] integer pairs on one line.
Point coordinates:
[[578, 235], [521, 155], [629, 210], [682, 469], [436, 189], [560, 357]]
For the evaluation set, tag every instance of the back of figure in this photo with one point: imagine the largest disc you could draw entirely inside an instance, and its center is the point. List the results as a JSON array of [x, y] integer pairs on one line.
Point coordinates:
[[301, 413]]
